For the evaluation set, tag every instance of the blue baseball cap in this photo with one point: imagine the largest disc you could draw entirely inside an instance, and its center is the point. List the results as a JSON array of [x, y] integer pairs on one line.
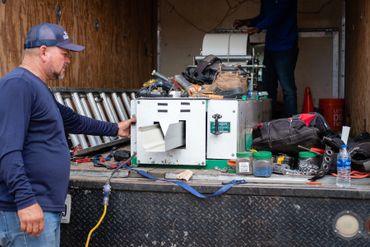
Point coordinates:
[[50, 35]]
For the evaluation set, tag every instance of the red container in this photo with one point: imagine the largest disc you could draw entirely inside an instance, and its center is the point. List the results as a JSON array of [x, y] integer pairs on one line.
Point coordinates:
[[333, 112]]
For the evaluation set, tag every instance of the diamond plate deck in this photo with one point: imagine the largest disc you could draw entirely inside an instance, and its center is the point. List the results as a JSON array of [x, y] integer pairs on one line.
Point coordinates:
[[149, 214]]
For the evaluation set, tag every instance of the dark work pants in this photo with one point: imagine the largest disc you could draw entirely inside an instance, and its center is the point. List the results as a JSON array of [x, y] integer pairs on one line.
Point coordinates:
[[280, 67]]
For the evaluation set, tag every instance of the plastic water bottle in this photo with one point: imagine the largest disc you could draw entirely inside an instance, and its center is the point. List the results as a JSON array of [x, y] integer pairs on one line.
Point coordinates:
[[343, 168]]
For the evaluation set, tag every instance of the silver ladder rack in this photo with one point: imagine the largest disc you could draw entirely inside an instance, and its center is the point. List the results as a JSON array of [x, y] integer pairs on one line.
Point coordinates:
[[100, 104]]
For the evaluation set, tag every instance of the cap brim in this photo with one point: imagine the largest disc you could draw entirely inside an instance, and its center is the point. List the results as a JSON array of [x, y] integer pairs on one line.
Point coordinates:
[[72, 47]]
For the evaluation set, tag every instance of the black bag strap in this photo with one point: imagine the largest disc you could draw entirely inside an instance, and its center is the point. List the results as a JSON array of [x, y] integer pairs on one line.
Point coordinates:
[[208, 60]]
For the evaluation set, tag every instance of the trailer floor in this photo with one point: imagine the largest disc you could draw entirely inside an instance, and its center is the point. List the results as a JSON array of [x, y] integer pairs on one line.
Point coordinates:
[[275, 211]]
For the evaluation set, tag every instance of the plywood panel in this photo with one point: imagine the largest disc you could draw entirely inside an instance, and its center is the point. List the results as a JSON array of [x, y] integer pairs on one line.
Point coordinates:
[[357, 65], [120, 52]]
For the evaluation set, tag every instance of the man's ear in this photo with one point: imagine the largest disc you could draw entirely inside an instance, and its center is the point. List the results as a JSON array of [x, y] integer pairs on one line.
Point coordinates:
[[43, 52]]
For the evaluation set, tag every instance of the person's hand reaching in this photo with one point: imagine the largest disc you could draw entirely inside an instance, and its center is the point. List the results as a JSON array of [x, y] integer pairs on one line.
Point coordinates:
[[241, 22], [124, 127]]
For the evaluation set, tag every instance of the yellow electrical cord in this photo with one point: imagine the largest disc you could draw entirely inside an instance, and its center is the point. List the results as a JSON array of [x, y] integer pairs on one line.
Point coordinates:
[[106, 192], [97, 225]]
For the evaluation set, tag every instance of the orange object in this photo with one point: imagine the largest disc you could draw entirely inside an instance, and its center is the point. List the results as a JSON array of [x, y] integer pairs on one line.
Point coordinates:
[[356, 174], [333, 112], [318, 151], [313, 183], [307, 101], [82, 160], [231, 163]]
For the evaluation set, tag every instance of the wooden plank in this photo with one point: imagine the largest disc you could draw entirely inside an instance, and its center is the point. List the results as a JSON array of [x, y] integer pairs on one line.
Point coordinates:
[[120, 53], [357, 65]]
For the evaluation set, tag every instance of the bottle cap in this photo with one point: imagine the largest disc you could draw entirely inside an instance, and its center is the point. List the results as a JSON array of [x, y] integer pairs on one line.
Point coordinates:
[[306, 154], [244, 154], [262, 155]]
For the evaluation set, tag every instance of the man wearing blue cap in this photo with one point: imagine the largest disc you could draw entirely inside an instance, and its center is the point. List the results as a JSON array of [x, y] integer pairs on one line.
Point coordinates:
[[34, 155], [279, 19]]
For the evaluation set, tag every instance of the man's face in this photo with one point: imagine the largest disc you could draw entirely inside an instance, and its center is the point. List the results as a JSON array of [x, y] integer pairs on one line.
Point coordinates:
[[57, 62]]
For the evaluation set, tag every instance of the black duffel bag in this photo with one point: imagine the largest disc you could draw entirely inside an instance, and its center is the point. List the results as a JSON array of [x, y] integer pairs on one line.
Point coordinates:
[[285, 134]]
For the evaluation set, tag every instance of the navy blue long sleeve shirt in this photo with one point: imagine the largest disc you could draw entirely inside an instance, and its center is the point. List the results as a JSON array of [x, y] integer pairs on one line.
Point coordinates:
[[279, 19], [34, 155]]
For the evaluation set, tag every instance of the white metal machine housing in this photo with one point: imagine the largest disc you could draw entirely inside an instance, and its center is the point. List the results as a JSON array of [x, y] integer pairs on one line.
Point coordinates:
[[187, 131]]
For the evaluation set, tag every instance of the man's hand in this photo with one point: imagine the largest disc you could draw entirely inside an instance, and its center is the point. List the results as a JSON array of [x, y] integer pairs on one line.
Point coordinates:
[[239, 23], [124, 127], [32, 219], [252, 30]]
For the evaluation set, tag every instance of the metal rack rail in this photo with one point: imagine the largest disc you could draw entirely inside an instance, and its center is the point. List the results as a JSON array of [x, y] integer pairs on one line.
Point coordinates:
[[100, 104]]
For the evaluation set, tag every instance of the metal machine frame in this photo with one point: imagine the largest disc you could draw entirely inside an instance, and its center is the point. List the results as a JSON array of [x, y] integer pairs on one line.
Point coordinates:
[[212, 129]]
